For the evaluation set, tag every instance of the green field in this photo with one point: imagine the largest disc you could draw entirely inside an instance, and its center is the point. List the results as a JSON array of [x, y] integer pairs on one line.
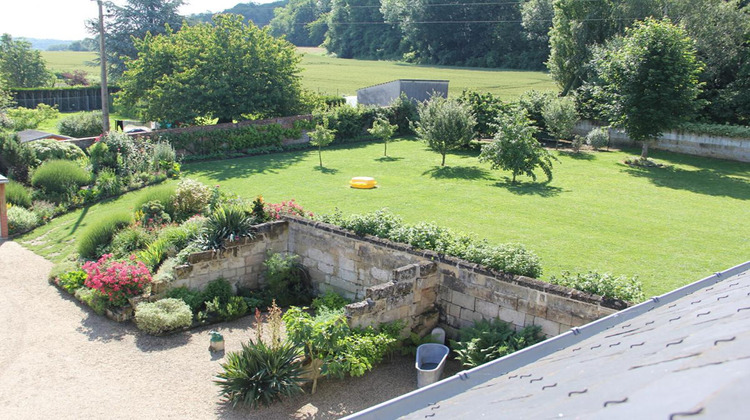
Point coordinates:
[[338, 76], [668, 226]]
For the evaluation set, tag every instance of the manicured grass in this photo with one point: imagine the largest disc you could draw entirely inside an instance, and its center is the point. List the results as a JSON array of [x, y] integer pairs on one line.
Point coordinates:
[[339, 76], [668, 226]]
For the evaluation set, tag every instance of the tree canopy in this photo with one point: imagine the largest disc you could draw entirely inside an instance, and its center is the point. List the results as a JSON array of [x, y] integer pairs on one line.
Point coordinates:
[[227, 70], [445, 125], [303, 22], [20, 66], [125, 24], [648, 80]]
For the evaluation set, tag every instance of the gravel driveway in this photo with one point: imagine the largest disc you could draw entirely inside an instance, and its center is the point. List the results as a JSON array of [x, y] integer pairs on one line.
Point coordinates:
[[60, 360]]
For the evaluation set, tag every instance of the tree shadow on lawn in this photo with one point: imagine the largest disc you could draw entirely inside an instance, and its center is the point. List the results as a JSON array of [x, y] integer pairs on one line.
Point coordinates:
[[577, 156], [388, 159], [222, 170], [458, 172], [542, 189], [703, 181], [326, 171]]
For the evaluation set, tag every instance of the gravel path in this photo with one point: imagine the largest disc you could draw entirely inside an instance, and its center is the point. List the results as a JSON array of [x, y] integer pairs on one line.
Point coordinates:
[[60, 360]]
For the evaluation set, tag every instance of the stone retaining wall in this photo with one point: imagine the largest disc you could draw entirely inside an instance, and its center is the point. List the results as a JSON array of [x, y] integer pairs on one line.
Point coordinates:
[[681, 142], [392, 281]]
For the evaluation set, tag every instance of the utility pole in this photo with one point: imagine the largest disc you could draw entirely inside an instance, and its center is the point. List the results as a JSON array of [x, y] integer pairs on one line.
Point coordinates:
[[103, 60]]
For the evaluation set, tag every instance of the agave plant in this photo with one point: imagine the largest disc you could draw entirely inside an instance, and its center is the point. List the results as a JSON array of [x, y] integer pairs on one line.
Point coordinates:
[[260, 374], [225, 223]]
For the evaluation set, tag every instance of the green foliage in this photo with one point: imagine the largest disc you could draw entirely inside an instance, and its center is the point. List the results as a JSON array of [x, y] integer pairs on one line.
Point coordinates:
[[225, 224], [515, 149], [233, 309], [48, 149], [560, 117], [101, 157], [445, 125], [383, 130], [152, 215], [72, 280], [108, 183], [736, 131], [18, 194], [508, 258], [164, 194], [485, 107], [225, 70], [17, 159], [320, 137], [133, 154], [288, 282], [98, 236], [162, 316], [220, 142], [489, 340], [81, 124], [533, 102], [128, 241], [403, 113], [327, 337], [603, 284], [191, 197], [170, 241], [21, 220], [347, 39], [95, 299], [331, 301], [193, 298], [25, 119], [347, 122], [21, 66], [260, 374], [44, 210], [598, 138], [59, 179], [648, 80], [299, 21]]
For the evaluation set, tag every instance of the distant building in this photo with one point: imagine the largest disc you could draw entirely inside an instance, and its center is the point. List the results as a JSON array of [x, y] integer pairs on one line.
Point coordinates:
[[26, 136], [416, 90]]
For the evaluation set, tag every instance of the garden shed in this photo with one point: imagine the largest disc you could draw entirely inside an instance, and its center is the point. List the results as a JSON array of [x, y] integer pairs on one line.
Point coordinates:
[[418, 90]]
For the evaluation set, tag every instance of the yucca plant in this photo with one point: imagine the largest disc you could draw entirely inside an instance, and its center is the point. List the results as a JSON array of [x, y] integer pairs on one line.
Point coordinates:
[[260, 374], [225, 223]]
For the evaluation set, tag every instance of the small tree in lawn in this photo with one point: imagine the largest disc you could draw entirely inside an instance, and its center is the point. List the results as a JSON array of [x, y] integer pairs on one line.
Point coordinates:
[[320, 137], [515, 149], [445, 125], [384, 130], [648, 80], [561, 117]]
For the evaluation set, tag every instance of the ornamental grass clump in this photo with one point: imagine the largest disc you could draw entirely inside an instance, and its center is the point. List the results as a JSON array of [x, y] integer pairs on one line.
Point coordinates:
[[98, 236], [59, 179], [163, 316], [18, 194], [262, 372], [118, 280]]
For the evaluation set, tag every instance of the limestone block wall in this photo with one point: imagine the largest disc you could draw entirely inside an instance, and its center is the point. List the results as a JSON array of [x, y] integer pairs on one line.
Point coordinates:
[[391, 281], [682, 142], [241, 263], [343, 262], [409, 296]]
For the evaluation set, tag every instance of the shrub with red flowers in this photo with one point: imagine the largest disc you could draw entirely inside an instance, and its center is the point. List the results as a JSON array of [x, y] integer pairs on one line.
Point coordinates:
[[118, 280], [276, 210]]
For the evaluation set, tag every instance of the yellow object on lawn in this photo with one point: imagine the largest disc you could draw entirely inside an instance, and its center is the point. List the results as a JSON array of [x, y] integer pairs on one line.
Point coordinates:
[[364, 182]]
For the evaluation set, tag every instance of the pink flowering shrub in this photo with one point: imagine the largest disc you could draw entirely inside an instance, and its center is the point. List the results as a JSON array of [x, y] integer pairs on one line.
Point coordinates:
[[118, 280], [276, 210]]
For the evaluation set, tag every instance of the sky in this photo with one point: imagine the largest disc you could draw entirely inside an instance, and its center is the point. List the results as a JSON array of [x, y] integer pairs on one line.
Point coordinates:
[[64, 19]]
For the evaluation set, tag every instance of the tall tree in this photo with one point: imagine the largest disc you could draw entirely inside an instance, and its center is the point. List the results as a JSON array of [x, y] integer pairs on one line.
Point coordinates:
[[303, 22], [357, 29], [649, 79], [125, 24], [21, 66], [445, 125], [225, 70]]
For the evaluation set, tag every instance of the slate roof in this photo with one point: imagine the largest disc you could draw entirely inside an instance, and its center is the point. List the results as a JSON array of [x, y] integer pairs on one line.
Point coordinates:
[[26, 136], [685, 354]]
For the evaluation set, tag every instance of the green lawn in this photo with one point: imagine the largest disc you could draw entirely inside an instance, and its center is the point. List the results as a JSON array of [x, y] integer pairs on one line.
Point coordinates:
[[668, 226], [338, 76]]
